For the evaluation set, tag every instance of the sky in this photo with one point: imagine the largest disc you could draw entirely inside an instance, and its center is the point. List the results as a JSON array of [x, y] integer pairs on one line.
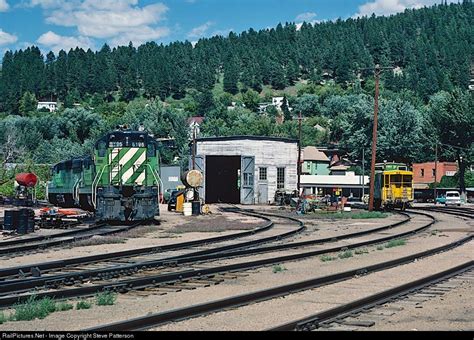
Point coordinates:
[[63, 24]]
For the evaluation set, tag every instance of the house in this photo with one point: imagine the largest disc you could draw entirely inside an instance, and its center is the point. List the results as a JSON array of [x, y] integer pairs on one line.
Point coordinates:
[[314, 162], [51, 106], [424, 173], [277, 102], [246, 169], [323, 173]]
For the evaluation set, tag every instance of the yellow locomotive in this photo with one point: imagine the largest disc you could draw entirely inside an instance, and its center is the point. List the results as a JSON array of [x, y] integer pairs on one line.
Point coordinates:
[[393, 186]]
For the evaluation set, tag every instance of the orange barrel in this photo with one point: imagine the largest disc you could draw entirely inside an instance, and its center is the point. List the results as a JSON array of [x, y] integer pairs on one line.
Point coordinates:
[[27, 179]]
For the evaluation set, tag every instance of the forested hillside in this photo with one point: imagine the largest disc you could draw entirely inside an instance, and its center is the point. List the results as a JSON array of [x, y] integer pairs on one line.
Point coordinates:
[[433, 46], [426, 102]]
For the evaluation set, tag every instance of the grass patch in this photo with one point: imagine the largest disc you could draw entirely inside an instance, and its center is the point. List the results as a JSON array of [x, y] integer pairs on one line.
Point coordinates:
[[434, 232], [105, 298], [339, 215], [395, 243], [278, 269], [63, 306], [3, 318], [33, 309], [361, 251], [345, 255], [327, 258], [380, 248], [369, 214], [98, 240], [83, 304]]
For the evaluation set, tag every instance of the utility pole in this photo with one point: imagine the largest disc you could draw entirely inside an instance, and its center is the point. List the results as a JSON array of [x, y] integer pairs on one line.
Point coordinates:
[[436, 172], [194, 147], [299, 154], [363, 173], [374, 139], [377, 70]]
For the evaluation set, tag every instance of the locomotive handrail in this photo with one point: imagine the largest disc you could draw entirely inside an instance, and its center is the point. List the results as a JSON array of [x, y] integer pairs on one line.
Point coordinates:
[[97, 178], [157, 179]]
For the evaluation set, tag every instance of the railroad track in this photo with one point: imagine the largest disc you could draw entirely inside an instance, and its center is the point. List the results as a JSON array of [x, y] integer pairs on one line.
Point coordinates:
[[154, 320], [147, 275], [353, 309], [460, 212], [17, 246]]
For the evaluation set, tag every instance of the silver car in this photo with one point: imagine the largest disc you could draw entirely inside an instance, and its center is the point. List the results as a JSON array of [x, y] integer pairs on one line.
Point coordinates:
[[453, 198]]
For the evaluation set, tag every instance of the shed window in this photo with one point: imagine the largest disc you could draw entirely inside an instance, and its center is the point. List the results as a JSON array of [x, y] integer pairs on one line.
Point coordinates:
[[280, 178], [422, 172], [263, 174]]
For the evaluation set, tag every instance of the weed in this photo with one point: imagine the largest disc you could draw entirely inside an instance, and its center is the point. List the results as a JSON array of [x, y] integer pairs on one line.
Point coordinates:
[[105, 298], [395, 243], [83, 304], [63, 306], [434, 232], [361, 251], [326, 258], [369, 214], [345, 255], [32, 309], [278, 269], [3, 318], [380, 248]]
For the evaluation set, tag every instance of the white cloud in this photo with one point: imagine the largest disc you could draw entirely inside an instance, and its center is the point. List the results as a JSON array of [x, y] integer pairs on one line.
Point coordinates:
[[140, 35], [387, 7], [200, 31], [56, 42], [4, 5], [114, 20], [7, 38], [308, 17]]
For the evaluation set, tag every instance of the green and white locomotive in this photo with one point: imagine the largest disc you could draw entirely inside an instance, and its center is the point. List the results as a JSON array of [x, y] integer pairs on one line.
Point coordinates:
[[120, 182]]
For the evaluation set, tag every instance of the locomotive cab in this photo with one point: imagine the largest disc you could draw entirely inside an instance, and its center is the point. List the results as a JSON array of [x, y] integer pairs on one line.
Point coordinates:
[[126, 187]]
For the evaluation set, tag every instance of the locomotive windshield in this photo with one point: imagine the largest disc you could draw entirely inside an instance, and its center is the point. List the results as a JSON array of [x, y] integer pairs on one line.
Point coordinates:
[[121, 140]]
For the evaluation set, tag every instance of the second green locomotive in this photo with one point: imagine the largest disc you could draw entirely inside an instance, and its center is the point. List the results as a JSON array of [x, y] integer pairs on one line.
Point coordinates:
[[120, 181]]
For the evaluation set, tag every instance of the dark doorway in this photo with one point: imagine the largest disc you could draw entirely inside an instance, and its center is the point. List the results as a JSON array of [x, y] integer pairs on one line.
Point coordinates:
[[222, 179]]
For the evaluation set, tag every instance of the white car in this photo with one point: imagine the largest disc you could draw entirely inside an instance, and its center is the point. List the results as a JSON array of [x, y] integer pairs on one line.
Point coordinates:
[[453, 197]]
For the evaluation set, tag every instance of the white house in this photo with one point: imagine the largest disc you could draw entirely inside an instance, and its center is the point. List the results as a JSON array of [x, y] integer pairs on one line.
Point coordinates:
[[51, 106]]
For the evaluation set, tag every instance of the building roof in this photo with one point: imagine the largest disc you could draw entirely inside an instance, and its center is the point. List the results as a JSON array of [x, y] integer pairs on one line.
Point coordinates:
[[311, 153], [339, 168], [197, 120], [257, 138]]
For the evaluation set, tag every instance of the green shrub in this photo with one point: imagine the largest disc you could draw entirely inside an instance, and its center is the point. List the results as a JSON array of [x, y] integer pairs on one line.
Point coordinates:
[[380, 248], [361, 251], [278, 268], [83, 304], [105, 298], [395, 243], [3, 318], [345, 255], [63, 306], [327, 258], [32, 309]]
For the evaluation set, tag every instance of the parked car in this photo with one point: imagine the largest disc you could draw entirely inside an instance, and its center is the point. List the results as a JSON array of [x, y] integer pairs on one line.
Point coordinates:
[[441, 199], [453, 198]]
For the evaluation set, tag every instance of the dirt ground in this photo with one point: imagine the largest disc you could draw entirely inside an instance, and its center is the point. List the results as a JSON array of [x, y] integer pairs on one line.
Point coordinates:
[[263, 315]]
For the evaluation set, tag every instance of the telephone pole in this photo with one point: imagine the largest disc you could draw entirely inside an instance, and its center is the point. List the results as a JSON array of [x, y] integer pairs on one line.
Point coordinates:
[[299, 154], [377, 70], [436, 172]]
